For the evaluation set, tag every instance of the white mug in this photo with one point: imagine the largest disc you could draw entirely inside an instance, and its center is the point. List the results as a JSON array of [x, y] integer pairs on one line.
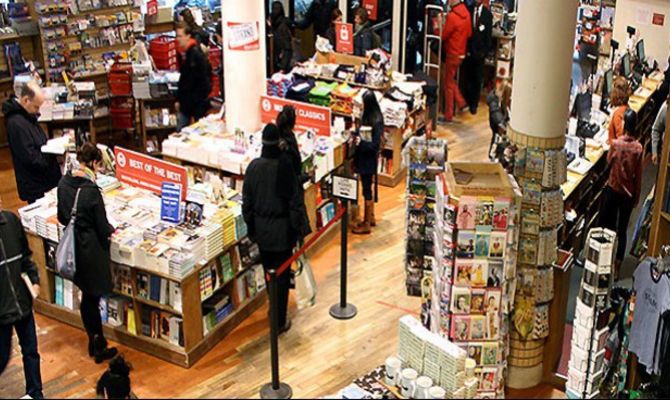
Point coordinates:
[[408, 382], [436, 392], [423, 384], [392, 373]]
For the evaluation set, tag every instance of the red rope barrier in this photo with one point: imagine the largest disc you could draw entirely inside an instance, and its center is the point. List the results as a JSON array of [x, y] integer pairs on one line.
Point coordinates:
[[309, 243]]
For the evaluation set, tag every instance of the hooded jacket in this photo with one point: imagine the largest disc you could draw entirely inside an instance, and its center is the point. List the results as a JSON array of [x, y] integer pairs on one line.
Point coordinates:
[[195, 81], [15, 258], [457, 31], [36, 173]]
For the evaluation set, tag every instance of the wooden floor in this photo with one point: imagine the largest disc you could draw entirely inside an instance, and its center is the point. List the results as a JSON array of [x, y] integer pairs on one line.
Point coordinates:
[[318, 356]]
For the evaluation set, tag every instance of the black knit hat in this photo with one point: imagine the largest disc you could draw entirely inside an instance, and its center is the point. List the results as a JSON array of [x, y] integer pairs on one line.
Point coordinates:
[[271, 135]]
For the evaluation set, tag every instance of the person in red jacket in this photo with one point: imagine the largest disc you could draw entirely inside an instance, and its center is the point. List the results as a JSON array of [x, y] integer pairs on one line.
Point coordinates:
[[455, 35]]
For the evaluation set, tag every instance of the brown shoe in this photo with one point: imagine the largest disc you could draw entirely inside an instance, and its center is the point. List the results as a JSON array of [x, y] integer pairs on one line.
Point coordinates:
[[364, 227]]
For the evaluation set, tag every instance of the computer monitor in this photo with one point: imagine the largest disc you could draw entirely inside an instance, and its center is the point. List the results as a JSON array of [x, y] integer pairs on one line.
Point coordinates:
[[625, 66], [640, 51], [609, 82]]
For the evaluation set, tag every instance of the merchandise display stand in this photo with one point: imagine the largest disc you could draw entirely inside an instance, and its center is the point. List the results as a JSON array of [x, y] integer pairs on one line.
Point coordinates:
[[660, 227]]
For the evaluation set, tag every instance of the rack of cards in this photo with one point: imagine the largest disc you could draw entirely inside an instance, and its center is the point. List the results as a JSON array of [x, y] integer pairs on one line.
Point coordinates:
[[425, 160], [586, 368], [474, 277]]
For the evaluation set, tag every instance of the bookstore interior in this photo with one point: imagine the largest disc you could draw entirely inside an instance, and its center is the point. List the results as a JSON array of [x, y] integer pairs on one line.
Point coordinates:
[[486, 208]]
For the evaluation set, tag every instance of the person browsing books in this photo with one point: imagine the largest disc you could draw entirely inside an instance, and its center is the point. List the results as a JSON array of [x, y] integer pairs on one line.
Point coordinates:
[[19, 282], [93, 236]]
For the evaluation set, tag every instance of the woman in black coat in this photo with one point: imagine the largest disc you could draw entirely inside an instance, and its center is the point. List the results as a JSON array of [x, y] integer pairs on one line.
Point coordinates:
[[367, 156], [282, 39], [288, 144], [92, 232]]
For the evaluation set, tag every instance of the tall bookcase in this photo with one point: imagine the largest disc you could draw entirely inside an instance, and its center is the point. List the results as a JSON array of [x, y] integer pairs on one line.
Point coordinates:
[[660, 225]]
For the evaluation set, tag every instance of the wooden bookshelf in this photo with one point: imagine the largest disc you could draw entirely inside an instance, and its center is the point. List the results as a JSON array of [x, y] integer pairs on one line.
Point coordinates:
[[196, 342]]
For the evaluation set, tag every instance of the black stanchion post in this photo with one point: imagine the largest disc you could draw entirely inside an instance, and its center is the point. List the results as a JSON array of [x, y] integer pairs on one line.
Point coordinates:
[[343, 310], [274, 389]]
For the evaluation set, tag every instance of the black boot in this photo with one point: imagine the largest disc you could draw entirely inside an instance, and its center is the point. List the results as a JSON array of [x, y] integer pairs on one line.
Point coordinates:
[[91, 348], [102, 352]]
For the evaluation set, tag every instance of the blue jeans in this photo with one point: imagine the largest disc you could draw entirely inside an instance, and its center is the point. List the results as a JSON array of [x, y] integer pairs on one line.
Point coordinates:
[[25, 330]]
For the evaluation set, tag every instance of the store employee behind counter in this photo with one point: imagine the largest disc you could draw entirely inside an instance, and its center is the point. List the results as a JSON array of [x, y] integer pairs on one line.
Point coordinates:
[[36, 173]]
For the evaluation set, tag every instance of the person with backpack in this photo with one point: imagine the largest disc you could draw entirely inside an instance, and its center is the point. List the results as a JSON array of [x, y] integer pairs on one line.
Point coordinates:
[[364, 37], [17, 272], [195, 79], [366, 157], [79, 194]]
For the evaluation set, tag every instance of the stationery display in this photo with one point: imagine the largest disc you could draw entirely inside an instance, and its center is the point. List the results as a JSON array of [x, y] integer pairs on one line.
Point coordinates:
[[425, 159], [591, 332], [474, 275]]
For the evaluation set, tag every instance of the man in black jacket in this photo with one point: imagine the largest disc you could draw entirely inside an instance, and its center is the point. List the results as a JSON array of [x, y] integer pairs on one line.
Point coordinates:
[[16, 300], [195, 82], [318, 14], [36, 173], [479, 46]]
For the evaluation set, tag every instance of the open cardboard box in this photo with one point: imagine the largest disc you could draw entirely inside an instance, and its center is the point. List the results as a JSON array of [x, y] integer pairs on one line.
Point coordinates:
[[477, 179]]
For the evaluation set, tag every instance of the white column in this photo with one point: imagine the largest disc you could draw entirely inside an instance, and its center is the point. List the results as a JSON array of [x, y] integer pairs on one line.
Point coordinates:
[[545, 39], [245, 70]]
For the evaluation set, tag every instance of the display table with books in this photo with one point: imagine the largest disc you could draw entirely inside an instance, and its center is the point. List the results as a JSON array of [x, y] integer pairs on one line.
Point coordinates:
[[179, 288]]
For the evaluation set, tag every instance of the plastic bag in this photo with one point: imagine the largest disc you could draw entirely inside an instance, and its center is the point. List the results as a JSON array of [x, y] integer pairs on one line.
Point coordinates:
[[305, 284]]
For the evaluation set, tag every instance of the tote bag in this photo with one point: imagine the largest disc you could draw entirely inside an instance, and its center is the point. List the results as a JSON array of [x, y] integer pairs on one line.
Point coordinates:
[[305, 284], [66, 264]]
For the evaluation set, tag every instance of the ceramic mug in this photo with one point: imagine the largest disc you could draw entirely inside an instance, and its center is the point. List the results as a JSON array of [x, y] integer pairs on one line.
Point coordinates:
[[393, 368], [423, 385], [408, 382], [436, 392]]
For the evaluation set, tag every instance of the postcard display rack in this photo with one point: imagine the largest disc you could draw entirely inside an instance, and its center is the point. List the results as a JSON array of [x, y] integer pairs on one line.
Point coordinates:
[[586, 368], [425, 159], [474, 278], [178, 289]]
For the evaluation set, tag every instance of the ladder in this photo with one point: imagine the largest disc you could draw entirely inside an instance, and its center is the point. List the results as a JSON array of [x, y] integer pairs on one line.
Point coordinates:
[[428, 39]]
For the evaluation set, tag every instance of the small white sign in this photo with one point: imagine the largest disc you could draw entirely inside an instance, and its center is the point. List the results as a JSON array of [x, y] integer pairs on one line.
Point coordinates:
[[345, 188]]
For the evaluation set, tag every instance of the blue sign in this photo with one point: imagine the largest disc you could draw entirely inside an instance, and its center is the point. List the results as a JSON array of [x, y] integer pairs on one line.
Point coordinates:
[[171, 202]]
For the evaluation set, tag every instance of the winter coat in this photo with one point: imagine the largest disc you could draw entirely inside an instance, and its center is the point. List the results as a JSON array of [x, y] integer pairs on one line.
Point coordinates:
[[36, 173], [16, 301], [457, 31], [92, 234], [367, 153], [481, 41], [267, 215], [363, 40], [318, 14], [291, 151], [283, 44], [195, 81]]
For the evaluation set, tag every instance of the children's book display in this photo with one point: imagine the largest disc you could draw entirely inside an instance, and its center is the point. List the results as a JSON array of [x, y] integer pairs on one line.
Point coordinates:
[[425, 159], [586, 368], [474, 277], [540, 174]]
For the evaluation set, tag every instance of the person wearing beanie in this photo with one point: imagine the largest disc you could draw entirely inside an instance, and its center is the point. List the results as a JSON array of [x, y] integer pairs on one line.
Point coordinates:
[[269, 207]]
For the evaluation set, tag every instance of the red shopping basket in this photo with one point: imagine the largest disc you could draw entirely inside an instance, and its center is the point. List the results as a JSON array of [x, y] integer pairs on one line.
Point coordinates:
[[121, 79], [123, 113]]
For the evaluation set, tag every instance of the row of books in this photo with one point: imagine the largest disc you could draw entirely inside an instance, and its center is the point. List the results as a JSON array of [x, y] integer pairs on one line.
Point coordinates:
[[385, 166], [162, 325], [149, 287], [67, 294], [215, 275]]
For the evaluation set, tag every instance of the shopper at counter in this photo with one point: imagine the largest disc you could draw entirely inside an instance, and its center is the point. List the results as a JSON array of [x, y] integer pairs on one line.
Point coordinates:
[[267, 206], [619, 102], [16, 300], [36, 172], [455, 35], [364, 38], [194, 80], [366, 157], [623, 189], [334, 19], [282, 39], [93, 232], [479, 46], [318, 15], [291, 155], [658, 131]]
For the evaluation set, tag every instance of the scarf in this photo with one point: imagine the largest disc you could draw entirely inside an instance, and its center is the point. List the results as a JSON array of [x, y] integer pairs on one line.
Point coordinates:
[[84, 172]]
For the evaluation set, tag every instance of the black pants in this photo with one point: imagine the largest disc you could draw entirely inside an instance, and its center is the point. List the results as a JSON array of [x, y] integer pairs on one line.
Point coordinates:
[[615, 215], [474, 80], [366, 181], [25, 330], [274, 260], [90, 316]]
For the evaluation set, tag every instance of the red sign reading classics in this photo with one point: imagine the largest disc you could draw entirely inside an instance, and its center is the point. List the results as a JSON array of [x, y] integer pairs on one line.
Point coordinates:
[[146, 172], [243, 36], [371, 7], [307, 116], [344, 40]]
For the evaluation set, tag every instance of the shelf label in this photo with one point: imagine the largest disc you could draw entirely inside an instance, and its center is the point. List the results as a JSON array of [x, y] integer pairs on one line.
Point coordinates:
[[345, 188], [171, 202], [344, 40], [148, 173], [243, 36], [307, 116]]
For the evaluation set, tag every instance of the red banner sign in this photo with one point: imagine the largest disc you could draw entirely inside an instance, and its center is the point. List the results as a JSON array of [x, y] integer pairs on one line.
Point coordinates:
[[307, 116], [371, 7], [344, 39], [152, 7], [146, 172], [658, 19], [243, 36]]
